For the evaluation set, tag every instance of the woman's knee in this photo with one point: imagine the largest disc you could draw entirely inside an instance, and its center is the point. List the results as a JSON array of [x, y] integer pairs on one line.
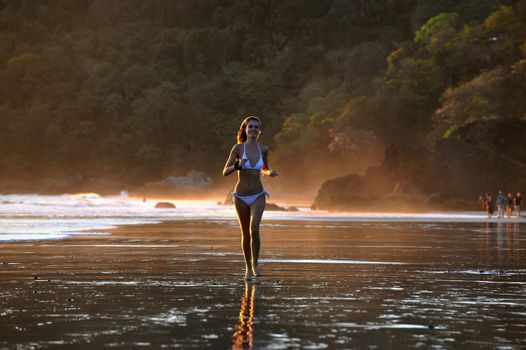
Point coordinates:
[[254, 231]]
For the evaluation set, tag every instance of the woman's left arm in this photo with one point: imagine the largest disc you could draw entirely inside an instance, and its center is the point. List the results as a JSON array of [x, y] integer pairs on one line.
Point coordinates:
[[266, 168]]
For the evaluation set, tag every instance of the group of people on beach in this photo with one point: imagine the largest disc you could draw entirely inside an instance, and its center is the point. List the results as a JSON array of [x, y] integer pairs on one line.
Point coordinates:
[[505, 204]]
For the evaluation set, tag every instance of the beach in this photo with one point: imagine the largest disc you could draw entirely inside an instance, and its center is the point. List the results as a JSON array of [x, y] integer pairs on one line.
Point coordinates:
[[325, 284], [364, 143]]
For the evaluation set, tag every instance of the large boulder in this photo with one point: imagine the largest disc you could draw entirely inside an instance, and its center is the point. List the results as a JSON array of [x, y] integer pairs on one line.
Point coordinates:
[[274, 207], [165, 205], [268, 206], [401, 181], [479, 157]]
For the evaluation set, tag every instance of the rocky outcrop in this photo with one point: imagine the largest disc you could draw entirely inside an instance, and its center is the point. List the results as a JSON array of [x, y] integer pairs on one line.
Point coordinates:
[[402, 180], [483, 156], [227, 200], [164, 205], [274, 207], [268, 206]]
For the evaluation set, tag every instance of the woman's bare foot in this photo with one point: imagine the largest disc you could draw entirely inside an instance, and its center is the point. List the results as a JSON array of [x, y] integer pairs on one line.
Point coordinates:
[[248, 274], [255, 271]]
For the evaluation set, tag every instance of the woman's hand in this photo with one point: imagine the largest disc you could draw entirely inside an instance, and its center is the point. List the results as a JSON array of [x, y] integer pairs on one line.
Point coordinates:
[[266, 169], [239, 163], [233, 161]]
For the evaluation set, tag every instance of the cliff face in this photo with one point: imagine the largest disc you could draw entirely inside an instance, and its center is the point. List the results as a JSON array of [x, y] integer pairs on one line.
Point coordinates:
[[484, 156]]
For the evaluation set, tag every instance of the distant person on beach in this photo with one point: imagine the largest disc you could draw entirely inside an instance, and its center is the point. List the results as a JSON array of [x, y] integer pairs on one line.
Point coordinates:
[[482, 201], [501, 204], [518, 204], [509, 204], [489, 204], [249, 159]]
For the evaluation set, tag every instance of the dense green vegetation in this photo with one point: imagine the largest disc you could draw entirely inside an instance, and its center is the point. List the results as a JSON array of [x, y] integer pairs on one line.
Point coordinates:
[[134, 91]]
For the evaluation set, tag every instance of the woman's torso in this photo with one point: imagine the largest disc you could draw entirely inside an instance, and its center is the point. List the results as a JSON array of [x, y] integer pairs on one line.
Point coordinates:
[[249, 180]]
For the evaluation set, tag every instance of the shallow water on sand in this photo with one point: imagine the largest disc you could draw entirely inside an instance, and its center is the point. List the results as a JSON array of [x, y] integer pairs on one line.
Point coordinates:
[[324, 285]]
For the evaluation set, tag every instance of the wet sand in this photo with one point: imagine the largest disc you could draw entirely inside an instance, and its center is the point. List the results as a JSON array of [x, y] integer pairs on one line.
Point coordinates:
[[324, 285]]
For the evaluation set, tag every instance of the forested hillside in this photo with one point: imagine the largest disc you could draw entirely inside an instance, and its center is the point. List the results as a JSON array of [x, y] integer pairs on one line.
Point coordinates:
[[108, 94]]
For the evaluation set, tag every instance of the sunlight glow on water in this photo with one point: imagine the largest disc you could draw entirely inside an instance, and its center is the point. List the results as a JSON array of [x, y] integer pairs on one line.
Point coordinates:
[[36, 217]]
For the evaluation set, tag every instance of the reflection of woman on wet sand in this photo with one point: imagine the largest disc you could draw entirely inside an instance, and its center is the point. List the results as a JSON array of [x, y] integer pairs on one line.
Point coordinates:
[[250, 159], [243, 337]]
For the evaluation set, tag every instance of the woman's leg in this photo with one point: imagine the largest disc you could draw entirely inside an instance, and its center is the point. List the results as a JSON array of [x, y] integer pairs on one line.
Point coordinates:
[[243, 216], [256, 213]]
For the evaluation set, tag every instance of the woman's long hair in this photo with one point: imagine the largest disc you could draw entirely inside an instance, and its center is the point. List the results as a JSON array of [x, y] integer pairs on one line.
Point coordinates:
[[242, 133]]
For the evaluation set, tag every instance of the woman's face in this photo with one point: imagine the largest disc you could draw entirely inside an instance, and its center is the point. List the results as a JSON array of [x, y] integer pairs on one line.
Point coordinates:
[[252, 129]]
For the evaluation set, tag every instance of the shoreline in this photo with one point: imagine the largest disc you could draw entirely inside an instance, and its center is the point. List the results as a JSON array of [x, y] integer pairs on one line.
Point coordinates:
[[106, 225]]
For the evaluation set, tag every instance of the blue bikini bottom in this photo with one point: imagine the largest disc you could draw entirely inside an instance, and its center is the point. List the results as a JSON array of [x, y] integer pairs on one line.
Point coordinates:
[[249, 200]]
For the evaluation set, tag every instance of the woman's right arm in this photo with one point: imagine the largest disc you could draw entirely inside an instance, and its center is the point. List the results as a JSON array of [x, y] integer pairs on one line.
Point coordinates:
[[229, 166]]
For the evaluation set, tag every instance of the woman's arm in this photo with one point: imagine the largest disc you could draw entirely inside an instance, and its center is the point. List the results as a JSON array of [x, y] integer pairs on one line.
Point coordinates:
[[266, 168], [229, 166]]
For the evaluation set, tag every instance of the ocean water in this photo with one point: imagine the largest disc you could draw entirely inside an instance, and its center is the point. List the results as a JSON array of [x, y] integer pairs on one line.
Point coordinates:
[[29, 216], [37, 217]]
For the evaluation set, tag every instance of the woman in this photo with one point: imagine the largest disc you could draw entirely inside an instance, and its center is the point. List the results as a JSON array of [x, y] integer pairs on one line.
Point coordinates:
[[250, 159], [509, 204], [489, 204], [518, 203]]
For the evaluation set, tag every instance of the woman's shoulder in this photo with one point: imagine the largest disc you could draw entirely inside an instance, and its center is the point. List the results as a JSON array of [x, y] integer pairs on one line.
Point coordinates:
[[237, 147]]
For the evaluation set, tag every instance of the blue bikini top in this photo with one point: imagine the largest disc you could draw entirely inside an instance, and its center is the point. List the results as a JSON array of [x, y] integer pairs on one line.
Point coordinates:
[[247, 165]]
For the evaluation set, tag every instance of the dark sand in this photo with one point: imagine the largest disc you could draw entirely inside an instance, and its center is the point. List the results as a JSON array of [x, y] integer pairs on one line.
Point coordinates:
[[325, 285]]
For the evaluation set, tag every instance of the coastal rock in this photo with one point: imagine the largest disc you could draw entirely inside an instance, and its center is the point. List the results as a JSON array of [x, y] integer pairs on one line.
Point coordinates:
[[274, 207], [228, 199], [165, 205], [397, 183], [268, 206], [479, 157]]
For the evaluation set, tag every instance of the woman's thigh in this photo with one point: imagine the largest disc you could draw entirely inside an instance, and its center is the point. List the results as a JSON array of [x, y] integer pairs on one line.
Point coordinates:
[[243, 213], [256, 212]]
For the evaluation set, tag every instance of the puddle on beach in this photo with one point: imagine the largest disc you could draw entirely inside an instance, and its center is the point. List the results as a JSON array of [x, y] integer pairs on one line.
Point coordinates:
[[324, 286]]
